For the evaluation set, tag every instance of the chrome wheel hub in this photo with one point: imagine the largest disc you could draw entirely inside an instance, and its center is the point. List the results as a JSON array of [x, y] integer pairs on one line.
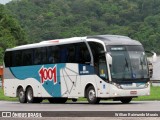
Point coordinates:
[[92, 95]]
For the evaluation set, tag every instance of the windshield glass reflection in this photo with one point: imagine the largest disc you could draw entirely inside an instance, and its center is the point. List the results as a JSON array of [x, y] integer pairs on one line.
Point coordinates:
[[129, 62]]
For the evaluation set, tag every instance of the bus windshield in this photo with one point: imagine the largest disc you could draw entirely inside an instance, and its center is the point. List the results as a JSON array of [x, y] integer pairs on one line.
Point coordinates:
[[128, 63]]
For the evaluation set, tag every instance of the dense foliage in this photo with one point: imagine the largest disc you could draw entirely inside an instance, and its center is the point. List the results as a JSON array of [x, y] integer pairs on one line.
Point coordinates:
[[54, 19], [11, 34]]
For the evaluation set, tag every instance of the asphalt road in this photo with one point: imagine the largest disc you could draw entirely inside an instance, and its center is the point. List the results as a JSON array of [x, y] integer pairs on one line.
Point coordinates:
[[82, 106], [69, 107]]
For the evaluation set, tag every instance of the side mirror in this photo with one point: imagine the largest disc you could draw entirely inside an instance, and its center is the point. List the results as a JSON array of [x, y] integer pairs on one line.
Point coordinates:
[[109, 59], [154, 57]]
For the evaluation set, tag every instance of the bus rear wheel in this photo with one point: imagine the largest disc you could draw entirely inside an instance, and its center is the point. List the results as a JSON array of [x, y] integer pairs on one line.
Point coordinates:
[[22, 96], [126, 100], [30, 96], [57, 100], [91, 95]]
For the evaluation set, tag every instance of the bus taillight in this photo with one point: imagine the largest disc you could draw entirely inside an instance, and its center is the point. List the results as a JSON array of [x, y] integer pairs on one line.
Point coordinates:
[[1, 74]]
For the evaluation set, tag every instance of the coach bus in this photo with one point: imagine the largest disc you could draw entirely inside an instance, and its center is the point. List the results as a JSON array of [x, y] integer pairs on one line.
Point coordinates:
[[95, 67]]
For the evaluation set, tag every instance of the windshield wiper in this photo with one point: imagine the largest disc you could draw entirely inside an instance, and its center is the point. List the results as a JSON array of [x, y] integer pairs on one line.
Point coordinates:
[[141, 63], [126, 65]]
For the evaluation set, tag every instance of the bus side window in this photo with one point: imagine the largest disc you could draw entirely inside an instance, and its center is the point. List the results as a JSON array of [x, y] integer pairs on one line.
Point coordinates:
[[40, 56], [8, 59], [27, 57], [100, 64], [85, 57], [43, 55], [63, 54], [53, 54], [102, 67], [77, 54], [16, 58], [37, 56], [71, 54]]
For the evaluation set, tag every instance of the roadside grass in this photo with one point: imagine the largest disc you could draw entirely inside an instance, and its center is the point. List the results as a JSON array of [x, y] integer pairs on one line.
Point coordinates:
[[154, 95]]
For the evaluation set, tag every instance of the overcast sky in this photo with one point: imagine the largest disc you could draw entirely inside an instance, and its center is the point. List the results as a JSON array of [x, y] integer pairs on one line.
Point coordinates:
[[4, 1]]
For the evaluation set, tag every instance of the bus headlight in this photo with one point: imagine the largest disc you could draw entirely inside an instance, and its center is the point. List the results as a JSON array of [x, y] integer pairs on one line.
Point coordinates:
[[117, 85], [147, 84]]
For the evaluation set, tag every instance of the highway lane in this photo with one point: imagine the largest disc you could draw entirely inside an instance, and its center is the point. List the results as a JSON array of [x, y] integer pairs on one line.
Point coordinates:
[[82, 106], [70, 107]]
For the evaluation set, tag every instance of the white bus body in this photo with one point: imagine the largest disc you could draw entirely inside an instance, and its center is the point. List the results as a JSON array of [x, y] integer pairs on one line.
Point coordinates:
[[95, 67]]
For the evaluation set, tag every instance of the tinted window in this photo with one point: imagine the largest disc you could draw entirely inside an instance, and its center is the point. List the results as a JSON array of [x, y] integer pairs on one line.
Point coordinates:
[[16, 58], [85, 57], [53, 54], [96, 49], [27, 57], [68, 53], [40, 56], [99, 59], [7, 59], [71, 53]]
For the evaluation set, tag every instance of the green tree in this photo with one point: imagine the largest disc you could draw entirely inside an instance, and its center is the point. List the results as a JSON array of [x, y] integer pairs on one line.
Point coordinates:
[[55, 19], [11, 34]]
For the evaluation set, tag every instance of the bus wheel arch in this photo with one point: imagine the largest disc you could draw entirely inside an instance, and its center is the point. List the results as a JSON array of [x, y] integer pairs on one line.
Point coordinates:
[[21, 94], [85, 91], [90, 94]]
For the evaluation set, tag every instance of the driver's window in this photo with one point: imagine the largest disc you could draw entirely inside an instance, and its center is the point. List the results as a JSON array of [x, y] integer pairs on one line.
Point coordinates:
[[99, 60], [103, 67]]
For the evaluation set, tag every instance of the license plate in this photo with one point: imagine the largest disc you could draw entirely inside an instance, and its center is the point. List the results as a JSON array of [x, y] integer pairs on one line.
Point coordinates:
[[133, 92]]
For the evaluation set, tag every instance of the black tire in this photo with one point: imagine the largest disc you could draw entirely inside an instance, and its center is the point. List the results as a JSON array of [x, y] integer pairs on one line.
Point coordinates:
[[57, 100], [74, 100], [22, 96], [29, 95], [91, 95], [126, 100]]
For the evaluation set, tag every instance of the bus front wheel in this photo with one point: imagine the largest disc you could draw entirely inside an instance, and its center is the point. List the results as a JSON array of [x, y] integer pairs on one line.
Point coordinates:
[[22, 96], [126, 100], [91, 95]]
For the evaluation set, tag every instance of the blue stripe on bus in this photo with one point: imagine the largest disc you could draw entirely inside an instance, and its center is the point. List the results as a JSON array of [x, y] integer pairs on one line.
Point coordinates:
[[24, 72]]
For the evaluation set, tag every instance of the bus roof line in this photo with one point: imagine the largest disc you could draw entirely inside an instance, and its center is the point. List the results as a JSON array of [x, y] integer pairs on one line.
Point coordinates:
[[49, 43], [107, 39]]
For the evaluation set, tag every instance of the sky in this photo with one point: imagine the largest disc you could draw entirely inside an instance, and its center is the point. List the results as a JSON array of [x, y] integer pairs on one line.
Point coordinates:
[[4, 1]]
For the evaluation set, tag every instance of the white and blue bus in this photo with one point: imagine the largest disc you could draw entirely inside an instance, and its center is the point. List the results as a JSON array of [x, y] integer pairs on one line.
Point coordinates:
[[95, 67]]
